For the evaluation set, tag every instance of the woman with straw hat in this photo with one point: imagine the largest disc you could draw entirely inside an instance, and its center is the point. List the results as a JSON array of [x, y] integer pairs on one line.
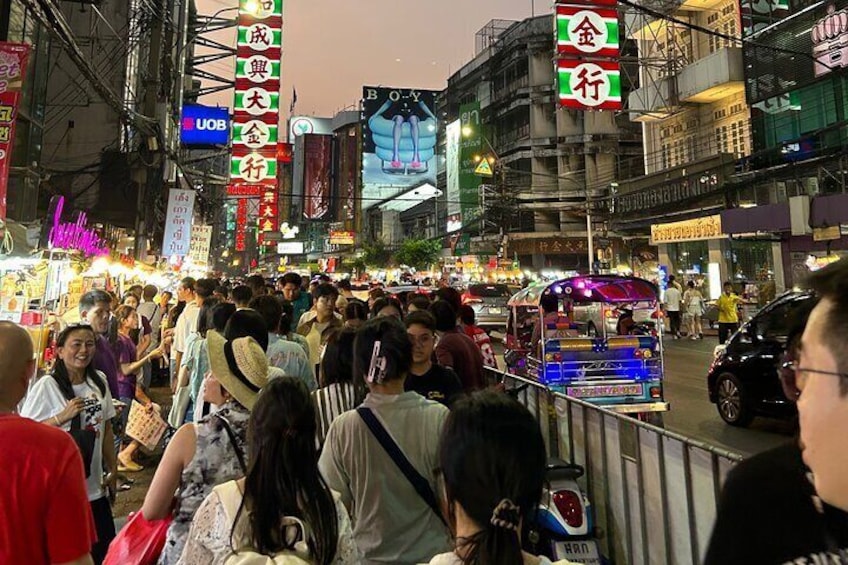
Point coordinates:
[[212, 450]]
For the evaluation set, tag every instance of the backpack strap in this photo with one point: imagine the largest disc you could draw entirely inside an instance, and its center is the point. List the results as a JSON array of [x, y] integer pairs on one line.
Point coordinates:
[[230, 496]]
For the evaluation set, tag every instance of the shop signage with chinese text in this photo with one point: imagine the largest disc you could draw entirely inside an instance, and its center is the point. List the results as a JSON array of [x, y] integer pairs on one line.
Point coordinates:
[[688, 230], [338, 237], [13, 62], [201, 241]]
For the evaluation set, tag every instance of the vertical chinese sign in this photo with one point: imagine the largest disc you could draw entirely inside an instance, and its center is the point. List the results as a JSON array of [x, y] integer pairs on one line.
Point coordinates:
[[256, 113], [177, 240], [587, 66], [13, 61]]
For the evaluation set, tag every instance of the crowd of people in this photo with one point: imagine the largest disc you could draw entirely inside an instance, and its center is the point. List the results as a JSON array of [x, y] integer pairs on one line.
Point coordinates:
[[307, 422], [315, 425], [687, 307]]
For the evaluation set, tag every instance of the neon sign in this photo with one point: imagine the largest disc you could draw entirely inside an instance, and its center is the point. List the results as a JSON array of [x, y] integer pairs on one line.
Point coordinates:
[[76, 235]]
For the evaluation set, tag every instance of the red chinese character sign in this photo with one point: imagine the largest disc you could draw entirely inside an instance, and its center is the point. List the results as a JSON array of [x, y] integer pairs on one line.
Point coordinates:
[[13, 61], [256, 117], [591, 85], [582, 30], [241, 224], [587, 42]]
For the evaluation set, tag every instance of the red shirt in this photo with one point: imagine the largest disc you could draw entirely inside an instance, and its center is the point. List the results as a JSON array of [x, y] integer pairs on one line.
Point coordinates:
[[484, 342], [457, 351], [45, 516]]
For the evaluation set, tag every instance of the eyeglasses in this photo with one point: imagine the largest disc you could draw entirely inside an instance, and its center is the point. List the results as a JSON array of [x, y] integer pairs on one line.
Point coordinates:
[[794, 376]]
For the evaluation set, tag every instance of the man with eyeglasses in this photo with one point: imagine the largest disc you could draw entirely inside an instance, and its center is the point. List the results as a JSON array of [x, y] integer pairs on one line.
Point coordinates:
[[772, 508], [430, 380]]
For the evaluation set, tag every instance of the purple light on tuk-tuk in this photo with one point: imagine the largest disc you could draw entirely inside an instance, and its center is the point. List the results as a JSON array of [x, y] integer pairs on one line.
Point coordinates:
[[558, 289], [581, 284], [587, 293]]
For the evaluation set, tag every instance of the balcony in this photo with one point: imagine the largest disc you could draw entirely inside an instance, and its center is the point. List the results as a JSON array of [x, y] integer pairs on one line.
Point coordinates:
[[652, 102], [713, 77]]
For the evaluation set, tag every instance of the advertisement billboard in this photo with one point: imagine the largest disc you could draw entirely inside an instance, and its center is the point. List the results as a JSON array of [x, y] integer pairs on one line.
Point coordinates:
[[13, 62], [318, 153], [339, 237], [471, 146], [453, 134], [399, 141], [204, 125], [304, 125]]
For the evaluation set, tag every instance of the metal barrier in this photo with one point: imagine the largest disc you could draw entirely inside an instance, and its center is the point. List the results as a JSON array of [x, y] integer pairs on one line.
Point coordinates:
[[653, 492]]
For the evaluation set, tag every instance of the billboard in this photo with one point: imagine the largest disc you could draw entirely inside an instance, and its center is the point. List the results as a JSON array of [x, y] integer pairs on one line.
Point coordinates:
[[340, 237], [318, 154], [204, 125], [453, 134], [472, 145], [594, 85], [256, 109], [13, 62], [399, 141]]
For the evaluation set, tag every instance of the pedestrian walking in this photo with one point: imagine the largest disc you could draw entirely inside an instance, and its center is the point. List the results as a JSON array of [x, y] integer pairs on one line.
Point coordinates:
[[673, 299], [45, 515], [282, 506], [381, 457], [492, 464], [211, 451], [337, 393], [456, 350], [76, 398], [429, 379], [694, 304], [728, 314]]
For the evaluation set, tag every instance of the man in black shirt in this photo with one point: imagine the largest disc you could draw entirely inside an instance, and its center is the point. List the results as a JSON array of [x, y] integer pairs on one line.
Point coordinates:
[[428, 379]]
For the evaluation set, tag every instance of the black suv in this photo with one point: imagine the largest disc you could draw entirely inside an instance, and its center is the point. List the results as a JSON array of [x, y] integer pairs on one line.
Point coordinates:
[[742, 379]]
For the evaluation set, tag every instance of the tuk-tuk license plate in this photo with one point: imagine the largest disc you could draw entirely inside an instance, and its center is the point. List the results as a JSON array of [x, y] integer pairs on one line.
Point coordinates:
[[603, 390], [494, 310], [579, 551]]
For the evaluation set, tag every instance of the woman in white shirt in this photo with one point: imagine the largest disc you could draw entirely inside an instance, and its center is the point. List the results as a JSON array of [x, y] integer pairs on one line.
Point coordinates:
[[282, 506], [76, 391], [492, 459], [337, 393]]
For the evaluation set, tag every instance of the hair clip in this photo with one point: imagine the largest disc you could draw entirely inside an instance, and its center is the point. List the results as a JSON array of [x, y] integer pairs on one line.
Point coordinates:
[[506, 515], [377, 368]]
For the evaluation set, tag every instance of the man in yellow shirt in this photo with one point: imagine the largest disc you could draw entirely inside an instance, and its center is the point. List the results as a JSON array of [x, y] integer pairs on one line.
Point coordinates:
[[728, 318]]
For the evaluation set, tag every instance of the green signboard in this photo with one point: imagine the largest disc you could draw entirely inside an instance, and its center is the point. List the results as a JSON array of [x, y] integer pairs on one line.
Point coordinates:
[[471, 146]]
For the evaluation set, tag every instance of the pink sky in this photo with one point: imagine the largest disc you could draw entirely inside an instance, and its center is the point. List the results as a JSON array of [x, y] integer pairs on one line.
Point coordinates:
[[331, 48]]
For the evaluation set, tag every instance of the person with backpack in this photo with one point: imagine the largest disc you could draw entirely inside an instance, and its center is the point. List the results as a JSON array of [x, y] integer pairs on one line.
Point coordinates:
[[211, 451], [76, 398], [282, 511], [381, 457]]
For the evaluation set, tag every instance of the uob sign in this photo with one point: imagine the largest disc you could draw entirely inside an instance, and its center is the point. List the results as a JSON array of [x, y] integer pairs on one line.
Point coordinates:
[[204, 125]]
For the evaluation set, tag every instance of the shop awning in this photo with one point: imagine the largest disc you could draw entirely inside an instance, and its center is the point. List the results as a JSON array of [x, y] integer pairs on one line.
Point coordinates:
[[769, 218]]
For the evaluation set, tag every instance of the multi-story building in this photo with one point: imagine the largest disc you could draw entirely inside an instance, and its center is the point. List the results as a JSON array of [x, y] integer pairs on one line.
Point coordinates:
[[696, 127], [19, 26], [792, 190], [550, 163]]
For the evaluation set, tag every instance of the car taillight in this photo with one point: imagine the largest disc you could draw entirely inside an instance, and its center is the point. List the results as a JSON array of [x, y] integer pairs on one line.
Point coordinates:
[[655, 391], [570, 507], [611, 313], [470, 300]]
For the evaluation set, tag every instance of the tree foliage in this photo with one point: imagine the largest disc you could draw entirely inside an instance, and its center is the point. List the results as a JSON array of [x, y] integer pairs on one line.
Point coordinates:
[[418, 253], [376, 254]]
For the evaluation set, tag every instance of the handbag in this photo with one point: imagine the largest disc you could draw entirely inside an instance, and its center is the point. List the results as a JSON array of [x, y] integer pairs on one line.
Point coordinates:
[[182, 398], [85, 439], [418, 482], [140, 541]]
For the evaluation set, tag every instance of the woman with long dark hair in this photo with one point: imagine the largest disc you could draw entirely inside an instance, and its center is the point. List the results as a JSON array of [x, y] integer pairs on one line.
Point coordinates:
[[75, 397], [337, 393], [492, 459], [282, 505]]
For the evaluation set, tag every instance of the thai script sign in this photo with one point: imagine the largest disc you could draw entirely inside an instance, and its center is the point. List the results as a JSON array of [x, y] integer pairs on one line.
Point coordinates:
[[688, 230], [177, 240]]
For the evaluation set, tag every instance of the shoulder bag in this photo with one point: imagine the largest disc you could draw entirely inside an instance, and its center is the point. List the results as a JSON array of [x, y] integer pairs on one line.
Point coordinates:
[[85, 439], [418, 482]]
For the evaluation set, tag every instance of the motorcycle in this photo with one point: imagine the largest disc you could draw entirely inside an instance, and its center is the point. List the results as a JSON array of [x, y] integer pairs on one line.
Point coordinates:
[[563, 527]]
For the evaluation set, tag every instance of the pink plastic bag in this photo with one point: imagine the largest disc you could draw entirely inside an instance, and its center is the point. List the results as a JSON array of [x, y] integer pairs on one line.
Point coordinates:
[[139, 542]]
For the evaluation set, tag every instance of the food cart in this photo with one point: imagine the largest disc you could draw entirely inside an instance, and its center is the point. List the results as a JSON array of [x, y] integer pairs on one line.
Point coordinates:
[[597, 338]]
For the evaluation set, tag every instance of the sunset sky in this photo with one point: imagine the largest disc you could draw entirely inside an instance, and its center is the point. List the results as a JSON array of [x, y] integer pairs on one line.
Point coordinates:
[[331, 48]]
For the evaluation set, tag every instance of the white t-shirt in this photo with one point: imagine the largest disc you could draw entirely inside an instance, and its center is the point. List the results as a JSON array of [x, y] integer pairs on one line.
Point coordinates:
[[45, 400], [186, 325], [672, 299]]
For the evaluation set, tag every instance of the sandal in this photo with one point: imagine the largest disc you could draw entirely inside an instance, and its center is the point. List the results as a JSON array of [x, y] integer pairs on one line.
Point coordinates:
[[129, 466]]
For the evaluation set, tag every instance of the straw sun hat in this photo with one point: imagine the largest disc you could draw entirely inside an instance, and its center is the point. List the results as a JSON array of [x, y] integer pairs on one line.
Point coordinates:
[[239, 365]]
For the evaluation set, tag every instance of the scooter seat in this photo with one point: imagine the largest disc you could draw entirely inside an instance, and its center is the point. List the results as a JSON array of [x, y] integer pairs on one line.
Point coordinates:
[[559, 469]]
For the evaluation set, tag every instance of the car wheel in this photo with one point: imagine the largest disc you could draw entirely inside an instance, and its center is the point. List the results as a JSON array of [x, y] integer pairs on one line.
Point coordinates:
[[731, 402], [591, 330]]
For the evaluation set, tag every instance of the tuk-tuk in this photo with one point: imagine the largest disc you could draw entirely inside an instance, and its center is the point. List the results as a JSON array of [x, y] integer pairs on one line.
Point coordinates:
[[596, 337]]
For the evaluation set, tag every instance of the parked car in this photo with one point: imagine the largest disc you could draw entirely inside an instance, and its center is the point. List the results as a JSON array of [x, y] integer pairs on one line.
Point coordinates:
[[598, 318], [743, 380], [489, 302]]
